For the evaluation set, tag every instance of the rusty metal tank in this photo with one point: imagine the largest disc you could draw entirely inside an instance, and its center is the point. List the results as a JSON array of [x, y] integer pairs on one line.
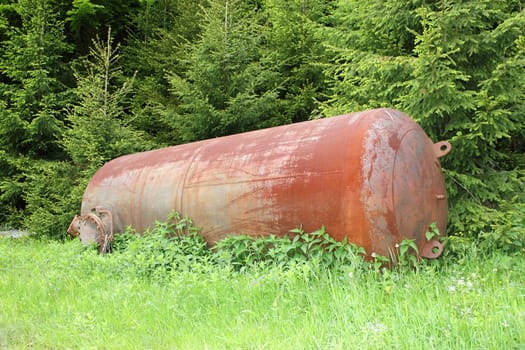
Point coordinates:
[[373, 177]]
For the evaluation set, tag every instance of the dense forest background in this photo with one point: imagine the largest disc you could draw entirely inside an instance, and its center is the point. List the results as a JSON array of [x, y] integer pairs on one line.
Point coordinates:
[[85, 81]]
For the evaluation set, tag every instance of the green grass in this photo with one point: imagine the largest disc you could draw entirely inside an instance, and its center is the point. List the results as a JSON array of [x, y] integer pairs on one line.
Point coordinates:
[[59, 296]]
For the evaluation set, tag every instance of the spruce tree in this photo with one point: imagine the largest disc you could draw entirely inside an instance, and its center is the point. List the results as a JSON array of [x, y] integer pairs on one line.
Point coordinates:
[[87, 19], [32, 90], [33, 96], [294, 49], [226, 87], [99, 123], [164, 28]]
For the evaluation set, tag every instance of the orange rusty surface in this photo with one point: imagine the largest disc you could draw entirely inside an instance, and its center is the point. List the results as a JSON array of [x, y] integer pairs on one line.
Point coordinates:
[[373, 177]]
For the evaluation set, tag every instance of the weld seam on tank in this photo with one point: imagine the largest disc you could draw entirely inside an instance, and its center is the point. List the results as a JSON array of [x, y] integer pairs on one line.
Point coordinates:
[[184, 181]]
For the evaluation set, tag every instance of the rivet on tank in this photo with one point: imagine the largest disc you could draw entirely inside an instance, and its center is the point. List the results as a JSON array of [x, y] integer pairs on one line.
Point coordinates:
[[373, 177]]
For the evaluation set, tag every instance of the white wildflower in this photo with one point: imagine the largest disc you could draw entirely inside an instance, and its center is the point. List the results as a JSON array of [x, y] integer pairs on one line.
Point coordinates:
[[376, 327]]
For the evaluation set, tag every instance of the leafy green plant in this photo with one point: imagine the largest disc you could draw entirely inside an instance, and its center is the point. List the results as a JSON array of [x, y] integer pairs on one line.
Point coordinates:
[[181, 225], [169, 246], [122, 240], [175, 245], [408, 254], [508, 233], [433, 231], [378, 262], [316, 247]]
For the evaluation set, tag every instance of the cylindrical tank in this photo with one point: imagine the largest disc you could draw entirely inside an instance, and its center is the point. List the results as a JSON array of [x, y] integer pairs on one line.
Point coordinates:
[[372, 177]]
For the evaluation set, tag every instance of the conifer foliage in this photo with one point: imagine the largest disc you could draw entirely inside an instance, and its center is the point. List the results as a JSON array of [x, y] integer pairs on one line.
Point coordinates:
[[99, 125], [226, 86], [33, 95]]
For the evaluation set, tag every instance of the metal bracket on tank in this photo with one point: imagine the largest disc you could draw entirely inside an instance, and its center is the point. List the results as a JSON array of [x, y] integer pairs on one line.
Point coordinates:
[[442, 148], [432, 249]]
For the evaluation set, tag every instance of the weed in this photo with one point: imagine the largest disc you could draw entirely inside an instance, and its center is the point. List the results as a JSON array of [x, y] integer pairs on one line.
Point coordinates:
[[317, 247], [508, 233], [175, 245], [433, 231]]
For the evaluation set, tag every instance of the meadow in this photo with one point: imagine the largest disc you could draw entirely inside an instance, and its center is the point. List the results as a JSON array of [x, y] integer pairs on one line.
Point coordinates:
[[60, 295]]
